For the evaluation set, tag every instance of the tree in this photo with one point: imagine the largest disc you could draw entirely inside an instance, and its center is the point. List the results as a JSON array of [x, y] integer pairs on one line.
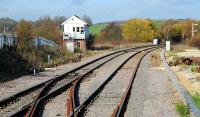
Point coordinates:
[[87, 19], [48, 28], [59, 20], [112, 32], [176, 31], [142, 30], [179, 29], [166, 28], [186, 29], [9, 24], [24, 33]]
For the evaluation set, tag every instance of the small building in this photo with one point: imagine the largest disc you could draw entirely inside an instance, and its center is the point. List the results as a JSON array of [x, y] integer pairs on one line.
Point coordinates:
[[75, 34]]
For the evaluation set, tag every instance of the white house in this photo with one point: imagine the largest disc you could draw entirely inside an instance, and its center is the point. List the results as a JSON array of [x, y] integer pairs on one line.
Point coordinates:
[[75, 34]]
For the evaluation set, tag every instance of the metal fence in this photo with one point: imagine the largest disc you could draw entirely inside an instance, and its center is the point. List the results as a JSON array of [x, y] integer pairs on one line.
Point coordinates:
[[39, 41], [10, 40]]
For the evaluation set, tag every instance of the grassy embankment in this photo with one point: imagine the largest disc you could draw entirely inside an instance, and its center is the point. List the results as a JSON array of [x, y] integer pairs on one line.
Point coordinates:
[[96, 28]]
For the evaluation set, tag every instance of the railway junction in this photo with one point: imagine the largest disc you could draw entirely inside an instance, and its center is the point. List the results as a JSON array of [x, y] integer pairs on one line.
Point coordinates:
[[132, 82]]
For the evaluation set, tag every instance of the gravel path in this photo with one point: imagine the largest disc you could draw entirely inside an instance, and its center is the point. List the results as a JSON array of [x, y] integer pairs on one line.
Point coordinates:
[[57, 107], [11, 87], [111, 95], [152, 93], [100, 75]]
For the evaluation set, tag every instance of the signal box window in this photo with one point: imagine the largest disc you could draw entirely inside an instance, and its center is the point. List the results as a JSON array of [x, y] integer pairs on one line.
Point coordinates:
[[82, 30], [73, 29], [77, 29]]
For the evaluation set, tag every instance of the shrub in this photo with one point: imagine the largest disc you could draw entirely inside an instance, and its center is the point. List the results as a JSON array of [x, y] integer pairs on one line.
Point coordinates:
[[11, 62]]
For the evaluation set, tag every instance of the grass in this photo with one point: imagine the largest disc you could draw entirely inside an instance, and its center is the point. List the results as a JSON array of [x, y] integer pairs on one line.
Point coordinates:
[[196, 99], [96, 28], [182, 109]]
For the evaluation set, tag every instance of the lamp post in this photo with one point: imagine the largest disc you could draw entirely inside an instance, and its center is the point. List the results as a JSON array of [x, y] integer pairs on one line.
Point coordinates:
[[193, 28]]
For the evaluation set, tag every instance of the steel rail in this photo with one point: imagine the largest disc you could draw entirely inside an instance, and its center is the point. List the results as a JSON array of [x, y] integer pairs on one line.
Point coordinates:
[[35, 106], [78, 110], [51, 81], [4, 102], [120, 109]]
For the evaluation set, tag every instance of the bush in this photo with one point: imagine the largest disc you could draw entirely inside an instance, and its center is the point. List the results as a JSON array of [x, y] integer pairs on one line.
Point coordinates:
[[11, 62]]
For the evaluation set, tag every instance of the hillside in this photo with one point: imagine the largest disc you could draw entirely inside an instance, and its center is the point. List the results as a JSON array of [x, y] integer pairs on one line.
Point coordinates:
[[96, 28]]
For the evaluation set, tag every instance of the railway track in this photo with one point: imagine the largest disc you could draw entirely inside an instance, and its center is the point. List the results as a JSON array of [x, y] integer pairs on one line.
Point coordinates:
[[20, 103], [108, 94], [36, 107]]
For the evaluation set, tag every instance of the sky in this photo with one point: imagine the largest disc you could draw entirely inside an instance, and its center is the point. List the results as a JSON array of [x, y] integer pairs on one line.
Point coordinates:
[[101, 10]]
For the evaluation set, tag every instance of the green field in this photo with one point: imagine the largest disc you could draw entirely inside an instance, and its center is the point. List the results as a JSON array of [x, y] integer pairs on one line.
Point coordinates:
[[96, 28]]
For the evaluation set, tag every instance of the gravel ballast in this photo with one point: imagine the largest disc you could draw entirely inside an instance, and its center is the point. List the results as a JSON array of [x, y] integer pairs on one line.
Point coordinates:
[[152, 94], [11, 87], [90, 84], [57, 107], [111, 95]]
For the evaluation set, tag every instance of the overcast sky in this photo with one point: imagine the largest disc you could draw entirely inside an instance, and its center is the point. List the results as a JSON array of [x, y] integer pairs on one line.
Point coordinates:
[[101, 10]]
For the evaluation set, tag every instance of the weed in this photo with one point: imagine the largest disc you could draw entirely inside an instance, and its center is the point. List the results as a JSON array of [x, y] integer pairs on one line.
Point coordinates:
[[196, 99], [182, 109]]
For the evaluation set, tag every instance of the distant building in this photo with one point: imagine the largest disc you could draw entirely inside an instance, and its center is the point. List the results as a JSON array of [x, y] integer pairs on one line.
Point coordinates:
[[76, 33]]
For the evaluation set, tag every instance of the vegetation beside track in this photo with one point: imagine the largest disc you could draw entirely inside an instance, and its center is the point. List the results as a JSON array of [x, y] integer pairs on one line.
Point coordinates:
[[182, 109], [196, 99]]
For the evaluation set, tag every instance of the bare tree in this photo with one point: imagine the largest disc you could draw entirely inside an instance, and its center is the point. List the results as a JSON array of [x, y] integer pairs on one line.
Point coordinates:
[[87, 19]]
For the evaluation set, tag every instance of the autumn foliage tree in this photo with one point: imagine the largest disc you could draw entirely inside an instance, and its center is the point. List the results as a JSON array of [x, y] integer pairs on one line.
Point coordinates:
[[186, 29], [48, 29], [24, 33], [141, 30], [111, 32], [176, 29]]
